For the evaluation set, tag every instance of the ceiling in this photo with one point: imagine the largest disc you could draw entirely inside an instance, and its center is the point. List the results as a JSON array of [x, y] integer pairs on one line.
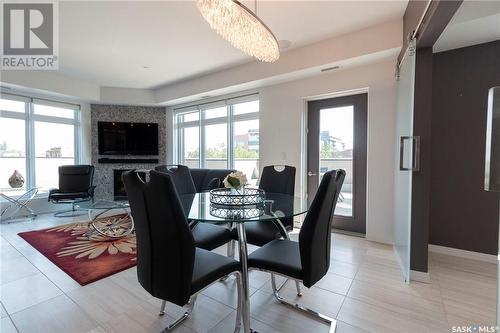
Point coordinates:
[[475, 22], [111, 43]]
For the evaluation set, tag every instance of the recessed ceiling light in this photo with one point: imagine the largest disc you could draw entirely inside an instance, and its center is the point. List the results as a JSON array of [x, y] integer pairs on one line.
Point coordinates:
[[330, 68], [284, 44]]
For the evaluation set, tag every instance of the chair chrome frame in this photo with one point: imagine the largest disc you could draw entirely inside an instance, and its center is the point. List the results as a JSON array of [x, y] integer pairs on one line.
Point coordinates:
[[280, 226], [192, 300], [324, 318], [283, 231]]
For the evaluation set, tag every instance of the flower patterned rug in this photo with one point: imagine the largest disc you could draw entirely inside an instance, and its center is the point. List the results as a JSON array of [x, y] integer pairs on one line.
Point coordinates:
[[85, 260]]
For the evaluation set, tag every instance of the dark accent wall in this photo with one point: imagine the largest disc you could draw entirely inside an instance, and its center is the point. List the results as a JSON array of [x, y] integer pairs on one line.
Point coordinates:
[[462, 214], [433, 23], [422, 117]]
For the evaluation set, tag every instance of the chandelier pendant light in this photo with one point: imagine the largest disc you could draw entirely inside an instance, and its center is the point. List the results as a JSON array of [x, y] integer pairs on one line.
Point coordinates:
[[241, 27]]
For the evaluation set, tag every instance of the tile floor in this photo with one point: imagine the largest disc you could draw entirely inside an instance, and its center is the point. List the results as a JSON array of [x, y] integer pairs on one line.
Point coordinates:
[[364, 290]]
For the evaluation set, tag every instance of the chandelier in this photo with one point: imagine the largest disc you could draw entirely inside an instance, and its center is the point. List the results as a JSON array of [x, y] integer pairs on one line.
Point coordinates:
[[241, 27]]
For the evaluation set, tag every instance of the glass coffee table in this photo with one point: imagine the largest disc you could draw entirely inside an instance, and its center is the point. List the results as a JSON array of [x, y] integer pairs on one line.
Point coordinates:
[[113, 227]]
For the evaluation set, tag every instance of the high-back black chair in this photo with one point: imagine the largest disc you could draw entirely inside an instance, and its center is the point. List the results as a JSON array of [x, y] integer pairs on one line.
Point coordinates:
[[181, 176], [307, 260], [207, 236], [169, 266], [272, 180], [278, 181], [75, 185]]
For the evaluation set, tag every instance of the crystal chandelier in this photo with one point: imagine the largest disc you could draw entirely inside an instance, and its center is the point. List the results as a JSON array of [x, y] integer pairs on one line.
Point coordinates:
[[241, 27]]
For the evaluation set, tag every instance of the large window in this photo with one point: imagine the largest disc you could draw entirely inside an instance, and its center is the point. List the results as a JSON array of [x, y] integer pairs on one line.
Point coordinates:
[[220, 135], [36, 137]]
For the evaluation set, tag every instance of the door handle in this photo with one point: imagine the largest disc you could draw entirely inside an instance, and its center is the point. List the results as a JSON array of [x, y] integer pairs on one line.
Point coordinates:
[[415, 159], [310, 174]]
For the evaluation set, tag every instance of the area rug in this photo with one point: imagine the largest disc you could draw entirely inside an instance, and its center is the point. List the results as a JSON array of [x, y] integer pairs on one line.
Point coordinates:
[[85, 260]]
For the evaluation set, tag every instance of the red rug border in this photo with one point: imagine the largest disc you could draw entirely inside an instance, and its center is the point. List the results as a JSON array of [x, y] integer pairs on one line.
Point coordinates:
[[21, 234]]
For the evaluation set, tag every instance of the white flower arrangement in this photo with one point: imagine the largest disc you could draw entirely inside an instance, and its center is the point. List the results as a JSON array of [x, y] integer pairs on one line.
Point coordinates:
[[236, 180]]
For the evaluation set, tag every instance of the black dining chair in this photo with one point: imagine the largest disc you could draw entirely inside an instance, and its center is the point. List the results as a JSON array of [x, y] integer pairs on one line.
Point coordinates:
[[207, 236], [75, 185], [169, 266], [274, 179], [307, 260]]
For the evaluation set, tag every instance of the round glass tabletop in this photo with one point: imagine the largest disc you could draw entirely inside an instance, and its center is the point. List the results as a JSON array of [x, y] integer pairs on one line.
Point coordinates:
[[276, 205]]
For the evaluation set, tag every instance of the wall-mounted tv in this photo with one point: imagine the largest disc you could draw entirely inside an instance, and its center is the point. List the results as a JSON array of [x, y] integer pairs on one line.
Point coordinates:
[[115, 138]]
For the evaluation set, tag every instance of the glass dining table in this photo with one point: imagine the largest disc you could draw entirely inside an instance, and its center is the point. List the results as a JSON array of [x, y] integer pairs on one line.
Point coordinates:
[[274, 208]]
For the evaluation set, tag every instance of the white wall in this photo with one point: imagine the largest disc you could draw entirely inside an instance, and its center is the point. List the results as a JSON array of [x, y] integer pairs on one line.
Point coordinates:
[[365, 43], [282, 121], [282, 109]]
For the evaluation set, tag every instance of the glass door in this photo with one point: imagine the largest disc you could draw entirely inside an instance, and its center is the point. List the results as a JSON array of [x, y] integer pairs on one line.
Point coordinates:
[[406, 163], [337, 132]]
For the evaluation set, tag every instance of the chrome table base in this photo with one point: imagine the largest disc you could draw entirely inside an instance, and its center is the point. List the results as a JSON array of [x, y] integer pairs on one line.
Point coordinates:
[[245, 299], [16, 204]]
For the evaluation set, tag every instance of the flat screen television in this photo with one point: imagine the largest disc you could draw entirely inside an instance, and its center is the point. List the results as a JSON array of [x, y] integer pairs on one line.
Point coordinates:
[[115, 138]]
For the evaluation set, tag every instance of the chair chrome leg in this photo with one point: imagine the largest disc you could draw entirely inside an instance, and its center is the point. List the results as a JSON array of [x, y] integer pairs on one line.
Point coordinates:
[[297, 286], [184, 316], [230, 248], [162, 309], [330, 321]]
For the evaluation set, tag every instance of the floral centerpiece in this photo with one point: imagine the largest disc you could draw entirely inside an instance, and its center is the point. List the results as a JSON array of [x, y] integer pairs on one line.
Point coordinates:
[[235, 180], [234, 195]]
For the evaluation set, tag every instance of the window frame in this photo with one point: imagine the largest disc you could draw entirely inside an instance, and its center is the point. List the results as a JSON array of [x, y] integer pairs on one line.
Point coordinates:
[[30, 118], [230, 119]]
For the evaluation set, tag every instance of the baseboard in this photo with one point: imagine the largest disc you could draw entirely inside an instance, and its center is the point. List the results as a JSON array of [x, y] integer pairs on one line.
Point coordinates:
[[418, 276], [491, 258], [348, 233]]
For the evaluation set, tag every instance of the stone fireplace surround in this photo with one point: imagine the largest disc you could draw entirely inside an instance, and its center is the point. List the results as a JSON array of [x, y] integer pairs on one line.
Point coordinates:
[[104, 172]]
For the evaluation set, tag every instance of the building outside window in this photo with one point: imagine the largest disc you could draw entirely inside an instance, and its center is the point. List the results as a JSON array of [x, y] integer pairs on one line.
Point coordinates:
[[219, 135], [36, 137]]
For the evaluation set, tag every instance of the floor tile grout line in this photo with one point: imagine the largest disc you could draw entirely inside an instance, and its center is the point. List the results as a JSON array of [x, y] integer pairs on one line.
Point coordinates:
[[220, 321], [55, 284], [385, 308], [10, 318], [438, 282], [29, 307], [348, 290], [39, 272]]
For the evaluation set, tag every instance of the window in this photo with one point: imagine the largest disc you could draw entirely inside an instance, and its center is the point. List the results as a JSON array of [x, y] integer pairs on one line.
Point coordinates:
[[12, 149], [220, 135], [36, 137]]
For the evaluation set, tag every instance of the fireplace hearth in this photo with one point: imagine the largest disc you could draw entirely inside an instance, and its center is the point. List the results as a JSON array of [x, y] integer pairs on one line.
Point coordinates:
[[119, 192]]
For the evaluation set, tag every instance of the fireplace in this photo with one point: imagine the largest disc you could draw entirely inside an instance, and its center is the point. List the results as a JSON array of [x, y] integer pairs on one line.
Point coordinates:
[[119, 192]]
